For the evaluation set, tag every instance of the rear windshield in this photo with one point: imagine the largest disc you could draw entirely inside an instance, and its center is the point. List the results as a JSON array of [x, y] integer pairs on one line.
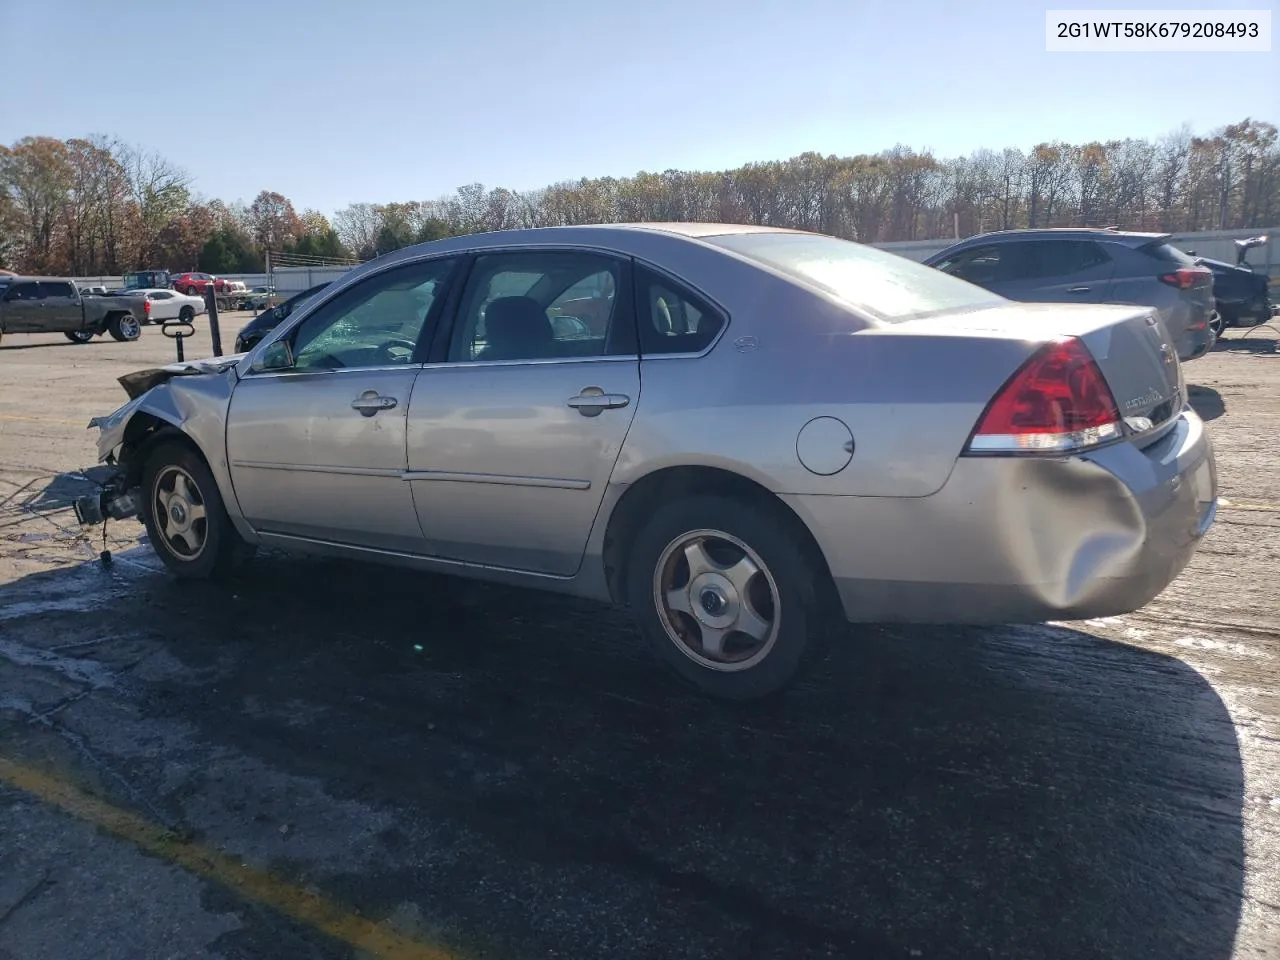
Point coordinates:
[[890, 288], [1168, 253]]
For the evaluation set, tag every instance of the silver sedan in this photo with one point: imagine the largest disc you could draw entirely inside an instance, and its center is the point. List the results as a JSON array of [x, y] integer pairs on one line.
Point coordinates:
[[743, 433]]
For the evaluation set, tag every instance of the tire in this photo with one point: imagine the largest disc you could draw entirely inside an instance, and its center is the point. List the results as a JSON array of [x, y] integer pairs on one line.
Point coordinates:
[[186, 314], [200, 547], [782, 593], [1216, 323], [124, 327], [79, 336], [192, 292]]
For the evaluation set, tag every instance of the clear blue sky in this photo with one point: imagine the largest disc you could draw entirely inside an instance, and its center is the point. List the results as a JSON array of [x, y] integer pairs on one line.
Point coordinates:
[[332, 102]]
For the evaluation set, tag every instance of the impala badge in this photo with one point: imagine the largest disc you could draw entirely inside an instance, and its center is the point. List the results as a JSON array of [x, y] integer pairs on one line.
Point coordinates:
[[1150, 398]]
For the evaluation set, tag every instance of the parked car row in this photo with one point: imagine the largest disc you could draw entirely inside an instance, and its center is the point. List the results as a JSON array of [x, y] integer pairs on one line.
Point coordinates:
[[1092, 266]]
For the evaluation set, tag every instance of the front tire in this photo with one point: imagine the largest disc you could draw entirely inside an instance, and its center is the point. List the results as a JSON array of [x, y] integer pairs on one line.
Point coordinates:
[[79, 336], [725, 595], [124, 327], [185, 517]]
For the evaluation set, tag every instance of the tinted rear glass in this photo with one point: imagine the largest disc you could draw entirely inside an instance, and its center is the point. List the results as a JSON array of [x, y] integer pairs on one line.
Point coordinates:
[[1168, 253], [891, 288]]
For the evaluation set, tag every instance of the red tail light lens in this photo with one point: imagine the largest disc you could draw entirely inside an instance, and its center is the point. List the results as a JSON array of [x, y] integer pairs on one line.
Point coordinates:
[[1057, 402], [1184, 278], [146, 307]]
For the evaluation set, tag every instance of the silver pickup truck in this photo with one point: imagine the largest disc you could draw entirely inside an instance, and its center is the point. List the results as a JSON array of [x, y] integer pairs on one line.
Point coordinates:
[[54, 305]]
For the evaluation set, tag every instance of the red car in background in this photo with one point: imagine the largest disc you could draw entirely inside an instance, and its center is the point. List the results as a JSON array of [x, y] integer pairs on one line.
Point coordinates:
[[195, 284]]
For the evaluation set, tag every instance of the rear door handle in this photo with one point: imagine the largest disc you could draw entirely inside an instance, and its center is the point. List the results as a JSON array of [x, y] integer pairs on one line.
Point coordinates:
[[593, 401], [370, 402], [1077, 290]]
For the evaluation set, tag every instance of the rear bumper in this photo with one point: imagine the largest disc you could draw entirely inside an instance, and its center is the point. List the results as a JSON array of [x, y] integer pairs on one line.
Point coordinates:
[[1013, 540]]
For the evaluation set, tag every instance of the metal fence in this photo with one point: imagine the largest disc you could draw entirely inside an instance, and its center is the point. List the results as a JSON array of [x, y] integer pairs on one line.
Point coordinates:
[[1216, 245]]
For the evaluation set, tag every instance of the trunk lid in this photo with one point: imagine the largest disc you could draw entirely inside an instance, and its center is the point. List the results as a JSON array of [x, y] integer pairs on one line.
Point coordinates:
[[1130, 344]]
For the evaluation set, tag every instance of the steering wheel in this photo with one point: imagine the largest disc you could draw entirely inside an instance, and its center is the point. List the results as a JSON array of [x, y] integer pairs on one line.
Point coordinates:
[[384, 350]]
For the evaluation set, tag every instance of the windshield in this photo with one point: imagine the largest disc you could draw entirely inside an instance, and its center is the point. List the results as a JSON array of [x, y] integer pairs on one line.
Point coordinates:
[[890, 288]]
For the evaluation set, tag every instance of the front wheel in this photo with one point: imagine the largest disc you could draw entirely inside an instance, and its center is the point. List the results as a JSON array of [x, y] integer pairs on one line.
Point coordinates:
[[186, 314], [725, 595], [79, 336], [124, 327], [185, 518]]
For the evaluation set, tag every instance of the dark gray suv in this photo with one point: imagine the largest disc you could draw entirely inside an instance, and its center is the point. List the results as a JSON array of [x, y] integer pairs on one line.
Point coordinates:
[[1092, 266]]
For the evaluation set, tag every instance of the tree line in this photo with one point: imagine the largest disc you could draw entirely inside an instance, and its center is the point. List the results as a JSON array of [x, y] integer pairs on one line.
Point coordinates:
[[94, 206]]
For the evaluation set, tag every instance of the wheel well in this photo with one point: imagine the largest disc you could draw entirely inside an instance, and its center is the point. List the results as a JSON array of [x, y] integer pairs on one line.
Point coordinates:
[[143, 434], [644, 496]]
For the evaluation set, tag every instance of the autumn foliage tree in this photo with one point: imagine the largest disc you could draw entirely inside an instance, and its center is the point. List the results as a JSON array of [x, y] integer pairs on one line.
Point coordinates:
[[97, 206]]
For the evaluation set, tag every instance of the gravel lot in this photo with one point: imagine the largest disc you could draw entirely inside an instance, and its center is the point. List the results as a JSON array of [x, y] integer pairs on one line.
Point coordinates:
[[332, 760]]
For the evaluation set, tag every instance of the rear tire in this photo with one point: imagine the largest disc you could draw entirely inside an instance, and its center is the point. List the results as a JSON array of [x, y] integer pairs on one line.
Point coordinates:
[[724, 593], [186, 520], [1216, 323], [79, 336], [124, 327], [192, 292]]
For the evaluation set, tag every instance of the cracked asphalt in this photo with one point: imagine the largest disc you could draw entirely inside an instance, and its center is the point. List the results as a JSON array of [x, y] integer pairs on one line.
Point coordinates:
[[328, 760]]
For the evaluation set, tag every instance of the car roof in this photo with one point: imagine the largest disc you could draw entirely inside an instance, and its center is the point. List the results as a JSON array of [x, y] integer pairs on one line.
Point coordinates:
[[19, 278], [625, 239], [1130, 237]]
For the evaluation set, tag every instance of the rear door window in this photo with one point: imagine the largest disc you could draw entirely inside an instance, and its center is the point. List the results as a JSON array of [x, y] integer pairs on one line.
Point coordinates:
[[23, 292], [1042, 259], [671, 318], [49, 288], [545, 305]]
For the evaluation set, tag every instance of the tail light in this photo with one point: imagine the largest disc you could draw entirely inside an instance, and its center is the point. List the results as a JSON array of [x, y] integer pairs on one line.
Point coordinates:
[[1057, 402], [146, 307], [1184, 278]]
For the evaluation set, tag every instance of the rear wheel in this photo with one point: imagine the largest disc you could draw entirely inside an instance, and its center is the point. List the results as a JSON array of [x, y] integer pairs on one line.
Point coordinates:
[[192, 292], [186, 520], [79, 336], [1216, 323], [724, 594], [124, 327]]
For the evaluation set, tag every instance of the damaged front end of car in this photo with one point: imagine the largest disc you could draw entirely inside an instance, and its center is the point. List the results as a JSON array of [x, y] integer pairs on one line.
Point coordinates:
[[162, 402]]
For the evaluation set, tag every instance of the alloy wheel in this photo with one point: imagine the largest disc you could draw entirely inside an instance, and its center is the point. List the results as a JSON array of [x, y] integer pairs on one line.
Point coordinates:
[[717, 600], [179, 511]]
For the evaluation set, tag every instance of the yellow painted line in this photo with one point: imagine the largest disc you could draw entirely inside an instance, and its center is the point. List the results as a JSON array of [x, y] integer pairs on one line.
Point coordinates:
[[302, 905], [17, 419]]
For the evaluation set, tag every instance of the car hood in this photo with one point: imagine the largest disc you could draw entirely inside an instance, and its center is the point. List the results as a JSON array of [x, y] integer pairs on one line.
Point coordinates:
[[140, 381]]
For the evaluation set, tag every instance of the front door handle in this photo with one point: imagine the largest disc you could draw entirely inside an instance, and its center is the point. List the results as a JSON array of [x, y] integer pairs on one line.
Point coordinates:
[[1077, 290], [593, 401], [370, 402]]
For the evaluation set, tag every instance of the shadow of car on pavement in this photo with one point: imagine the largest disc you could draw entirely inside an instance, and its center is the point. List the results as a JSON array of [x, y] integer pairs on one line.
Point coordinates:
[[1016, 792]]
